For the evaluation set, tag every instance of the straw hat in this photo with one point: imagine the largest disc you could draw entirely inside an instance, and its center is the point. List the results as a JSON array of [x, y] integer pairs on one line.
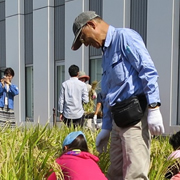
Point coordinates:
[[82, 74]]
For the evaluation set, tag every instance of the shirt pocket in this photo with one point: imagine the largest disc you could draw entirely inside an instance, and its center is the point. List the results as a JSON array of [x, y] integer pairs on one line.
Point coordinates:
[[117, 69]]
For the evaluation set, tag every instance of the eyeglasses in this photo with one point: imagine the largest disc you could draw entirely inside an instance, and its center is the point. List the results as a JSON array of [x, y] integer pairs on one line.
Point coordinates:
[[81, 36]]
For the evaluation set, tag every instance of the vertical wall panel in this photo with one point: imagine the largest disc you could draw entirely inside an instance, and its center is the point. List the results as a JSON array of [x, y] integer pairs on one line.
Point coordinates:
[[97, 6], [28, 6], [178, 105], [2, 35], [59, 28], [2, 10], [138, 17], [59, 2], [28, 25]]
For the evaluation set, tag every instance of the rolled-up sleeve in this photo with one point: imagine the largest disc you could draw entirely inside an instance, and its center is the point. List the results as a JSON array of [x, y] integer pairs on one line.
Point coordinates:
[[61, 100], [85, 96]]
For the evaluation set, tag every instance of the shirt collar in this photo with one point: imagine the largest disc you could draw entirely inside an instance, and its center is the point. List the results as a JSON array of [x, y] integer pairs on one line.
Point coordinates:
[[109, 36], [73, 77]]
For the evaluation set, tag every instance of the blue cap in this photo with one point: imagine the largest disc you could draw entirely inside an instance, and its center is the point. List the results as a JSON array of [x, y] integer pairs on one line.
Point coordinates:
[[71, 137]]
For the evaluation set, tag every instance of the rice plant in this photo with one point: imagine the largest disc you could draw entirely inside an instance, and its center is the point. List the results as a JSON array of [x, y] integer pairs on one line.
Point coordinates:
[[30, 153]]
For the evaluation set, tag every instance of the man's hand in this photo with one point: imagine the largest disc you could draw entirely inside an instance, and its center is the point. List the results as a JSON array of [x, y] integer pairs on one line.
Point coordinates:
[[61, 117], [2, 82], [102, 140], [155, 122], [7, 80]]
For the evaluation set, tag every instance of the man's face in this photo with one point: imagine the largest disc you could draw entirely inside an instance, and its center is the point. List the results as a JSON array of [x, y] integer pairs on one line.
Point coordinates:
[[89, 35]]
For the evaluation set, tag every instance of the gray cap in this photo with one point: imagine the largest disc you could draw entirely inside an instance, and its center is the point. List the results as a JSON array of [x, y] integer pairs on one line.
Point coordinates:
[[79, 22]]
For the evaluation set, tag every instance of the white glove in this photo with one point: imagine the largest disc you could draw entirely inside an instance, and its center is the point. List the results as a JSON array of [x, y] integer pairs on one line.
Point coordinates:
[[102, 140], [95, 119], [99, 125], [155, 122]]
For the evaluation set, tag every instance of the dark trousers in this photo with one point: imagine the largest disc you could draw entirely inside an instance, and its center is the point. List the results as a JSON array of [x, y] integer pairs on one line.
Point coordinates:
[[76, 122]]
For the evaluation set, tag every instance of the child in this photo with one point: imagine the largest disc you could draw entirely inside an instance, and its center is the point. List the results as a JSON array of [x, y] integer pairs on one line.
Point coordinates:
[[173, 172], [76, 162]]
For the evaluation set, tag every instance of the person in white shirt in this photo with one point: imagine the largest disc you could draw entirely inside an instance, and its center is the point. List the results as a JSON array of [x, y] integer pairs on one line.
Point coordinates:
[[72, 96]]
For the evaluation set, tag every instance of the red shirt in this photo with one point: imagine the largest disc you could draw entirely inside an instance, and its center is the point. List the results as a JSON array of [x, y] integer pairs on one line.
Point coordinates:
[[79, 165]]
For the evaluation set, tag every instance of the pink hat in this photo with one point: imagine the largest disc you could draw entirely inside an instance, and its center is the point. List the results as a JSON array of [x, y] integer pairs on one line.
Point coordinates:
[[82, 74]]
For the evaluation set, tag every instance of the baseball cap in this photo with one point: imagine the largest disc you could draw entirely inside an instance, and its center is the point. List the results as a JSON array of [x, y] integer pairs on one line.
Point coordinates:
[[71, 137], [78, 24]]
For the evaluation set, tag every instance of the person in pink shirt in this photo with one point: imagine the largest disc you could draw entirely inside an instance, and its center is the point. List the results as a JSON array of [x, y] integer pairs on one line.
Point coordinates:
[[173, 171], [76, 162]]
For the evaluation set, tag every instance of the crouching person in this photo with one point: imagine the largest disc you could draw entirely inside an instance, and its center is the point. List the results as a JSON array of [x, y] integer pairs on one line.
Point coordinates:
[[76, 162]]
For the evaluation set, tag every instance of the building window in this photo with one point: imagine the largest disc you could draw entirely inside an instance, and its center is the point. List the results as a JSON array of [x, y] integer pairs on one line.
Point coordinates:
[[95, 54], [97, 6], [29, 94], [28, 31], [28, 43], [2, 35], [59, 30], [96, 71], [138, 17], [59, 79], [59, 49]]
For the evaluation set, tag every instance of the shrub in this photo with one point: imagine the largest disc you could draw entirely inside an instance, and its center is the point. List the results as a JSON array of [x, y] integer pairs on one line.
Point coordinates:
[[30, 153]]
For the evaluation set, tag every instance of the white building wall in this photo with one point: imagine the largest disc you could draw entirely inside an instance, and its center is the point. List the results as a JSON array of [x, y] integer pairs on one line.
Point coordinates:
[[81, 56], [117, 13], [15, 51], [43, 60], [162, 43]]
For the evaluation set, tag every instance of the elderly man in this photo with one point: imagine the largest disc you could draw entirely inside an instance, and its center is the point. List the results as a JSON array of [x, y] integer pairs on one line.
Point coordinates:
[[130, 95]]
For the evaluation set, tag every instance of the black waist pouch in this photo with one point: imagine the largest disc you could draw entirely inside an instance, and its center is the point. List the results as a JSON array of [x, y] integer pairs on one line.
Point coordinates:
[[130, 111]]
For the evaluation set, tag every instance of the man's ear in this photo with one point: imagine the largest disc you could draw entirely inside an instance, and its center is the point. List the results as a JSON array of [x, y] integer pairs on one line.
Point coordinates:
[[65, 148], [92, 24]]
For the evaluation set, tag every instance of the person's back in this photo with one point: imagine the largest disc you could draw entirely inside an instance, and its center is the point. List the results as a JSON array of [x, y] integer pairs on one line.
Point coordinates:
[[76, 162], [80, 165], [75, 92]]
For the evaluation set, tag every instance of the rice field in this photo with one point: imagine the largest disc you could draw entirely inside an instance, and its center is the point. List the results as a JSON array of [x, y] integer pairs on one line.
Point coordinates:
[[30, 153]]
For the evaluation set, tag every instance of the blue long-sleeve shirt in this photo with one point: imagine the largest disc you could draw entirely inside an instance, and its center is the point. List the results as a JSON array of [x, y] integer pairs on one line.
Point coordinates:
[[13, 91], [127, 70]]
